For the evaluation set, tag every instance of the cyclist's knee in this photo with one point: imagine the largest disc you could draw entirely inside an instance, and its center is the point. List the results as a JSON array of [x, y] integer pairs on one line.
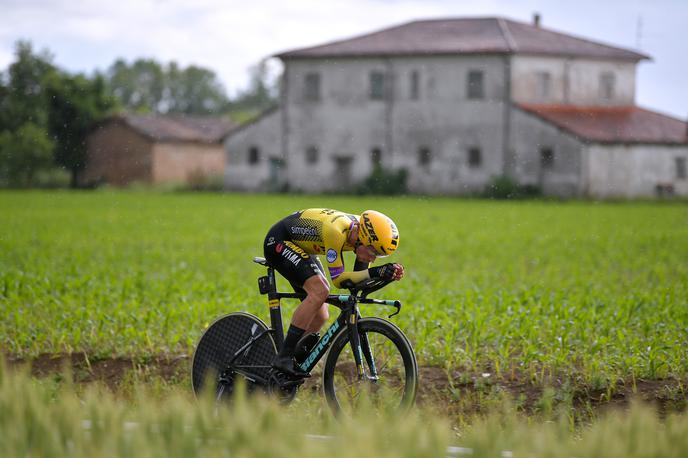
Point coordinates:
[[324, 313], [317, 288]]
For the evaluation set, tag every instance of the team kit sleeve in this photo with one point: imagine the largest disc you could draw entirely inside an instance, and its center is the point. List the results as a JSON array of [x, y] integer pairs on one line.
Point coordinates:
[[334, 242]]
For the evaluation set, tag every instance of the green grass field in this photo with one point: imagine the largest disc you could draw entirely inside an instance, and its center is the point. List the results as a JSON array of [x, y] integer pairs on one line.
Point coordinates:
[[594, 292]]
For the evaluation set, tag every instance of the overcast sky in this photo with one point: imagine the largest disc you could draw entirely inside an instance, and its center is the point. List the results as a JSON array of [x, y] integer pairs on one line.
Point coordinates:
[[228, 36]]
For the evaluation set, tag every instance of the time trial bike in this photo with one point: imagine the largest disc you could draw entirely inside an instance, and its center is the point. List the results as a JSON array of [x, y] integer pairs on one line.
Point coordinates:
[[367, 357]]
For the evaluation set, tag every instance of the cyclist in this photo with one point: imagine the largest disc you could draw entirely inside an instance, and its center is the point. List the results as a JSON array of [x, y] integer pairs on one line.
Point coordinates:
[[292, 246]]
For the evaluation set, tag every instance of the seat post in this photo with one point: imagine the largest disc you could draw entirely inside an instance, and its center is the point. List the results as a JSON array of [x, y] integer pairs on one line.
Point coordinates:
[[275, 309]]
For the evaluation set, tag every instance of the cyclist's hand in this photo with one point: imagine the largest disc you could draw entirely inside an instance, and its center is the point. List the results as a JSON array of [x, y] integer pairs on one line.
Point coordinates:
[[398, 272], [388, 271]]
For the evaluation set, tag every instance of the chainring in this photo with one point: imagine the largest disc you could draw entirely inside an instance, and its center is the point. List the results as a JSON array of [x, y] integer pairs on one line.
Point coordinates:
[[283, 387]]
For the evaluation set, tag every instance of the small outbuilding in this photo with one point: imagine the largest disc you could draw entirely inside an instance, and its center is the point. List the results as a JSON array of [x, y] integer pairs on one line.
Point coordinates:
[[602, 152], [124, 149]]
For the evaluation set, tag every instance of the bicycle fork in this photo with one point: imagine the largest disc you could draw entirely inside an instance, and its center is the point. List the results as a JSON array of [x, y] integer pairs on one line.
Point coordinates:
[[360, 347]]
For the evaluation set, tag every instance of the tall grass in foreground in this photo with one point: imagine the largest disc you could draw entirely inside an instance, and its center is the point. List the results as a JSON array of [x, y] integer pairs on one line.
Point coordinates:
[[45, 419], [41, 420]]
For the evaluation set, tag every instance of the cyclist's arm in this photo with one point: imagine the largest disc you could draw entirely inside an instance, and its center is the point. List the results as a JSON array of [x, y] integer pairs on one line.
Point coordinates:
[[346, 278], [335, 265], [387, 271], [334, 243], [360, 265]]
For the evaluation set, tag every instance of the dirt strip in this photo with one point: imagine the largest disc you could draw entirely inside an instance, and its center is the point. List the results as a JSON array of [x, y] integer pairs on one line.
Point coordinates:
[[451, 392]]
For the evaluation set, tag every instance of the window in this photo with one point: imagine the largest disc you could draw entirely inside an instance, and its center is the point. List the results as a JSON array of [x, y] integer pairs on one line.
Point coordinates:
[[277, 167], [377, 85], [475, 85], [546, 158], [342, 173], [253, 155], [681, 172], [312, 86], [376, 156], [544, 83], [607, 81], [424, 156], [312, 155], [475, 157], [415, 89]]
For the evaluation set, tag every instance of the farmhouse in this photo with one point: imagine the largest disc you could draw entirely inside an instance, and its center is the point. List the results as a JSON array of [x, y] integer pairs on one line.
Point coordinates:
[[154, 149], [457, 102]]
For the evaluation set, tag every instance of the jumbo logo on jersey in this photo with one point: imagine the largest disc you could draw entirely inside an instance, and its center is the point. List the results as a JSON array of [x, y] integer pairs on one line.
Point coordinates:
[[297, 249], [292, 253], [331, 255]]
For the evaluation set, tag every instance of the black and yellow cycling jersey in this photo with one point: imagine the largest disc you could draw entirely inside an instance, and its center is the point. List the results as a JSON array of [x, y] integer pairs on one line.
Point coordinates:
[[293, 242]]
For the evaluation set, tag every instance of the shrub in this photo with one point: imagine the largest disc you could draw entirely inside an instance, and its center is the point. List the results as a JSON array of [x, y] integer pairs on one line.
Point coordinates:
[[504, 187], [385, 182], [24, 154], [199, 181]]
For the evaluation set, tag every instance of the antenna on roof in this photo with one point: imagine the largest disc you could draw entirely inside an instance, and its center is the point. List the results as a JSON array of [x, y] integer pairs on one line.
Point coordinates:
[[536, 19]]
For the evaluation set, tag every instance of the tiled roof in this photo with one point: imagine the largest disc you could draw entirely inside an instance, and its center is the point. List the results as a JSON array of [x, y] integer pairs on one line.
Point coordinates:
[[628, 124], [178, 128], [465, 36]]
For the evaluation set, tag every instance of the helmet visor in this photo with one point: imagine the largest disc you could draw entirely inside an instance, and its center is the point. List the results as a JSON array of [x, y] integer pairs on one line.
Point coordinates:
[[377, 253]]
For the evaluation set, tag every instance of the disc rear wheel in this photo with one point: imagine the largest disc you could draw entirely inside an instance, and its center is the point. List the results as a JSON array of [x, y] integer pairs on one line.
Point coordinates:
[[218, 345]]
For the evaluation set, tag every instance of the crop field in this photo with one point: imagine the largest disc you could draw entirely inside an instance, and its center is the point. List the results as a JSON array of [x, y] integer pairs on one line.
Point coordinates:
[[590, 293]]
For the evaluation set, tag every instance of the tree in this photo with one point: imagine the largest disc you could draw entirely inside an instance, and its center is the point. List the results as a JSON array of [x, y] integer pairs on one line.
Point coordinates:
[[147, 86], [25, 148], [23, 153], [139, 87], [22, 98], [261, 94], [194, 90], [74, 104]]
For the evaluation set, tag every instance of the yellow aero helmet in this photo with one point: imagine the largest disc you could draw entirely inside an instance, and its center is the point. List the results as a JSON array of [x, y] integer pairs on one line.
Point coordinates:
[[378, 231]]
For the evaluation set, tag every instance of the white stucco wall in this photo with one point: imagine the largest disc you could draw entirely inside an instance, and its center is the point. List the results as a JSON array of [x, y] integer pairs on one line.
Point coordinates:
[[528, 135], [264, 134], [345, 122], [629, 171], [574, 81], [444, 119]]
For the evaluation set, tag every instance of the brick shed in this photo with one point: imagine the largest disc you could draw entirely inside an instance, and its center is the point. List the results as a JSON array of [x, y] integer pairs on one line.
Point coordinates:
[[154, 149]]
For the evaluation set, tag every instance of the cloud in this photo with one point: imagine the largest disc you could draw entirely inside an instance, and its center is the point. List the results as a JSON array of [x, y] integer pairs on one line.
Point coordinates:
[[228, 36]]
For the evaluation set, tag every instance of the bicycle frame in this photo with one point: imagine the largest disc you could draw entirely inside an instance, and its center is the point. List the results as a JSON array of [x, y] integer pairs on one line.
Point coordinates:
[[348, 318]]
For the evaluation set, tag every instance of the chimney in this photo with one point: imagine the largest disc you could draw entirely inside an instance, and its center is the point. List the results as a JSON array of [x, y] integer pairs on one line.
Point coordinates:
[[536, 19]]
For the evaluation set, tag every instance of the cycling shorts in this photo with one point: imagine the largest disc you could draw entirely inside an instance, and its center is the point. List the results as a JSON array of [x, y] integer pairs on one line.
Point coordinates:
[[290, 260]]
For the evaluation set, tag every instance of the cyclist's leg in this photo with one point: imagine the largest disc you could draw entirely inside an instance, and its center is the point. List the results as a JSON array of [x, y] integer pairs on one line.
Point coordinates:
[[302, 270], [312, 313], [322, 314]]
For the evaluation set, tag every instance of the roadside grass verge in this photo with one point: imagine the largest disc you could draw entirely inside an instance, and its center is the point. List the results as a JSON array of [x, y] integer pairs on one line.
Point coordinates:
[[43, 418]]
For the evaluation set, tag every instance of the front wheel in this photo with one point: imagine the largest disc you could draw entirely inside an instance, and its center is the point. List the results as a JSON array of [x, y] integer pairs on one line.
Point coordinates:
[[390, 376]]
